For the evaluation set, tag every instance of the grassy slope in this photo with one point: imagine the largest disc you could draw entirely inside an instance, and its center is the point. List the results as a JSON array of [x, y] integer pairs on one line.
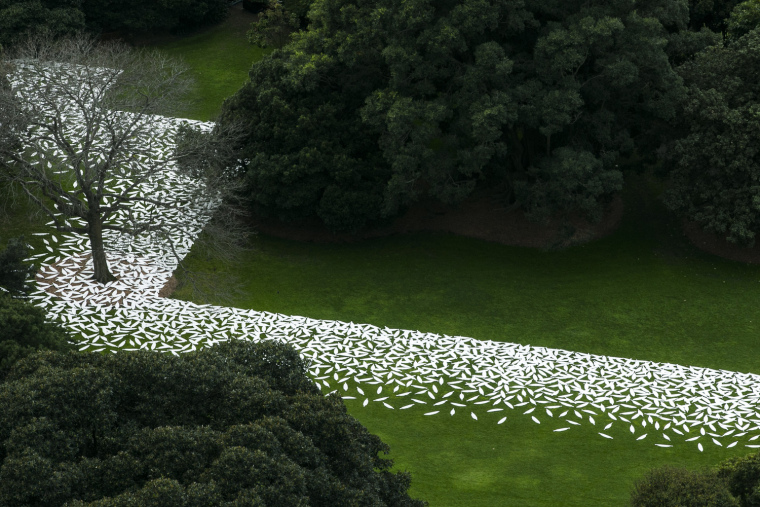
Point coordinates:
[[459, 462], [643, 292], [220, 59], [640, 293], [626, 295]]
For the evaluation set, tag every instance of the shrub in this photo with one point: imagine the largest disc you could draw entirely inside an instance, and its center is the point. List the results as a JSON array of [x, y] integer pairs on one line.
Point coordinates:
[[14, 273], [678, 487], [24, 330], [237, 424]]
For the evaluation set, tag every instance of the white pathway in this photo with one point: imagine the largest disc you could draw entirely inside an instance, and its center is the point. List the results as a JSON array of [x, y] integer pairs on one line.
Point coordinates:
[[438, 376]]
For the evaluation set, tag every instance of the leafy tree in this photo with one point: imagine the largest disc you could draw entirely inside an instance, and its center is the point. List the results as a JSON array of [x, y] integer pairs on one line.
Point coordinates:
[[151, 15], [69, 128], [743, 478], [237, 424], [300, 8], [711, 14], [744, 18], [716, 164], [58, 17], [14, 273], [380, 103], [273, 27], [734, 482], [24, 329], [678, 487]]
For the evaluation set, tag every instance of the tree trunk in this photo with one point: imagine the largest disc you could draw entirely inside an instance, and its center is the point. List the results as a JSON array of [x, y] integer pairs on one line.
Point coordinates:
[[99, 261]]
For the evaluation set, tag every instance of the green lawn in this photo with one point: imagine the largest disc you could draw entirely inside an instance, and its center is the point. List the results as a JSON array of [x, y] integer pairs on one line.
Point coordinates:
[[457, 461], [644, 292], [639, 293], [20, 217], [219, 59]]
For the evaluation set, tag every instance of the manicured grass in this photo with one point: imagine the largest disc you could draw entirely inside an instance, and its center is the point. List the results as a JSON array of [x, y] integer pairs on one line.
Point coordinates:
[[457, 461], [639, 293], [643, 292], [220, 59]]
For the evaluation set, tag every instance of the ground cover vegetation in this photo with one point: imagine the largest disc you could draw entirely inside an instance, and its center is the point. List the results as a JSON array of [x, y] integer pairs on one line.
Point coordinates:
[[581, 470], [218, 59], [238, 424], [644, 292]]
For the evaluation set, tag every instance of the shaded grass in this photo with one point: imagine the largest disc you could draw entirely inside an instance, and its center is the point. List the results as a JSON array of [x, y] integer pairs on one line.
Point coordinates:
[[638, 293], [219, 59], [644, 292], [20, 217]]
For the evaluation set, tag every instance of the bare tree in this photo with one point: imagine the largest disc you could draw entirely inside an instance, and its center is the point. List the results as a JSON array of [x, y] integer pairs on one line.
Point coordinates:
[[81, 135]]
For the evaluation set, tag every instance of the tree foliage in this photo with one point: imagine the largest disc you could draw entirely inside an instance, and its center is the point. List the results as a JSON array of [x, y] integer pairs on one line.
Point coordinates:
[[14, 272], [743, 478], [151, 15], [24, 329], [678, 487], [380, 103], [744, 18], [711, 14], [733, 483], [65, 17], [238, 424], [57, 17], [273, 27], [716, 164]]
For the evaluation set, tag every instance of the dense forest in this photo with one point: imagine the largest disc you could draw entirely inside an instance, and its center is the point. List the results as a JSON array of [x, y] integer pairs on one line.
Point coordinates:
[[378, 104], [62, 17], [368, 106]]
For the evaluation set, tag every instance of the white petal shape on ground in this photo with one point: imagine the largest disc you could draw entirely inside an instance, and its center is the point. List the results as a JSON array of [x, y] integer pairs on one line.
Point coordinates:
[[129, 315]]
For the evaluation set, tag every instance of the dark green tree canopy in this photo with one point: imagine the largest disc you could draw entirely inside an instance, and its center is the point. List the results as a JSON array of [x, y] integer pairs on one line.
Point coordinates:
[[148, 15], [66, 17], [744, 18], [24, 329], [381, 102], [716, 163], [678, 487], [733, 483], [59, 17], [712, 14], [238, 424], [14, 272]]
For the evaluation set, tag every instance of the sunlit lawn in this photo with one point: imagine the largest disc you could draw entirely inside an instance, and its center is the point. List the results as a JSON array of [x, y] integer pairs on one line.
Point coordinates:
[[457, 461]]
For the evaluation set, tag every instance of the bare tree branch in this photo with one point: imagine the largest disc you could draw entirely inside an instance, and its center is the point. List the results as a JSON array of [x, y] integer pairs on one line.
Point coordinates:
[[81, 133]]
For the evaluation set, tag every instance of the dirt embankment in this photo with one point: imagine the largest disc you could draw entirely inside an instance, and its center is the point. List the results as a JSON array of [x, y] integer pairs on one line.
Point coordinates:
[[481, 216]]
